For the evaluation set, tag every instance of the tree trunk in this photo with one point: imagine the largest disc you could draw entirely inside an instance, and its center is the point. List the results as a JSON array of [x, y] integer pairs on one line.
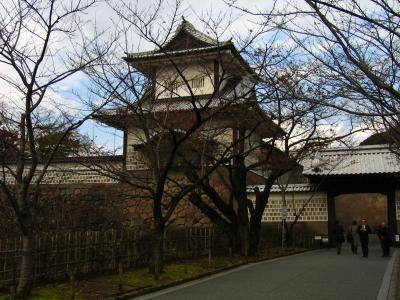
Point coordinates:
[[254, 236], [225, 218], [289, 233], [157, 263], [256, 217], [239, 189], [25, 275], [243, 238], [234, 240], [243, 219]]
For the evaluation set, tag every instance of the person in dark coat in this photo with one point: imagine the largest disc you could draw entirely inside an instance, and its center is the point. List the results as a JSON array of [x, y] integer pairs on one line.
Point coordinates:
[[338, 232], [384, 238], [363, 231]]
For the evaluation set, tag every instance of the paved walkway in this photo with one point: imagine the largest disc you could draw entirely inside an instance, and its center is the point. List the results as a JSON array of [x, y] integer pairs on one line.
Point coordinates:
[[320, 274]]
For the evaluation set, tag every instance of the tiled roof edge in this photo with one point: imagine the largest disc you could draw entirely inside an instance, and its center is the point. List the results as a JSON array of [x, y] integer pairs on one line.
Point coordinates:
[[295, 187]]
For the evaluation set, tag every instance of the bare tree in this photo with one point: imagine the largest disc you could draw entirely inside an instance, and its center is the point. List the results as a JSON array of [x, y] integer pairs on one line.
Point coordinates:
[[307, 127], [42, 43], [354, 49], [172, 105], [288, 227]]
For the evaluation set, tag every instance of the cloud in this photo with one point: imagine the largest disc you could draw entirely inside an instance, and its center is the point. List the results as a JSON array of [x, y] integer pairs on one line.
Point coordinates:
[[63, 95]]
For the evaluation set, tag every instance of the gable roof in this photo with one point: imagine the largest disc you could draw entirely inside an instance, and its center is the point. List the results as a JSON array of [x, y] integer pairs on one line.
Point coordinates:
[[188, 43], [187, 28], [195, 41]]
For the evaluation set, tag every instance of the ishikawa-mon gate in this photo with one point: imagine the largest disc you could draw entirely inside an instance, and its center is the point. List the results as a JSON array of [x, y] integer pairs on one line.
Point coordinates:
[[359, 183], [356, 186], [345, 184]]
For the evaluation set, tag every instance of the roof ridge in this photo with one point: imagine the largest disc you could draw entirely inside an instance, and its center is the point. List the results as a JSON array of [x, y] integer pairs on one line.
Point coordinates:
[[355, 152], [190, 29], [357, 148]]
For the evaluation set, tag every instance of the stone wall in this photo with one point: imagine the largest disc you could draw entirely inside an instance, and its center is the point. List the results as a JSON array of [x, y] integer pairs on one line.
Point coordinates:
[[98, 205], [308, 228]]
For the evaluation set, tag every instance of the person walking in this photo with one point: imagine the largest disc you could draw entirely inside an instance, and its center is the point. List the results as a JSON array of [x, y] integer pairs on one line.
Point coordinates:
[[338, 235], [363, 231], [353, 237], [384, 238]]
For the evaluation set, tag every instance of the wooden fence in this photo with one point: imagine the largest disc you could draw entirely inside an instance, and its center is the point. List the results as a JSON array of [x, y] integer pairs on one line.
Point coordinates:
[[84, 252], [59, 255]]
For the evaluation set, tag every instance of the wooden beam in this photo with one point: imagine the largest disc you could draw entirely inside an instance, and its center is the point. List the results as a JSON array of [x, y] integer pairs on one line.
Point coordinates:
[[392, 215], [331, 216]]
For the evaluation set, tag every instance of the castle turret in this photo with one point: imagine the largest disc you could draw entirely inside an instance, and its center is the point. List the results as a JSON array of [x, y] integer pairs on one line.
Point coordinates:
[[193, 71]]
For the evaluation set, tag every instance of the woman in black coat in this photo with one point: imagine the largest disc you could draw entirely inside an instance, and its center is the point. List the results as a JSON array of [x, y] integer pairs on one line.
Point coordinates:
[[338, 236], [383, 234]]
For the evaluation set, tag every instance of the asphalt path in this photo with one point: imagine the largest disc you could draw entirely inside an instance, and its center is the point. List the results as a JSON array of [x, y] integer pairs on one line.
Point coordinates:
[[320, 274]]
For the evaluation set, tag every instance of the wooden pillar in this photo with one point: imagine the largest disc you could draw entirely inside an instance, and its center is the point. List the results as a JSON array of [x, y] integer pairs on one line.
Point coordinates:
[[125, 148], [391, 210], [331, 216], [216, 76]]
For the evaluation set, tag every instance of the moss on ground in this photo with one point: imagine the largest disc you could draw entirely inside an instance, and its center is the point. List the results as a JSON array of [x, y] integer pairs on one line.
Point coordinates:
[[54, 291], [105, 286]]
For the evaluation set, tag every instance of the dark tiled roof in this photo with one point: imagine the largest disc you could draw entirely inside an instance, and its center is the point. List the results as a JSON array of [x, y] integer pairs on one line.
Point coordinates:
[[185, 27], [159, 54]]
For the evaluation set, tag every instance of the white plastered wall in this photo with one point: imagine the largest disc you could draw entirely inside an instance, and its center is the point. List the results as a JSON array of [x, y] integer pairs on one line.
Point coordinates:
[[189, 71], [316, 209]]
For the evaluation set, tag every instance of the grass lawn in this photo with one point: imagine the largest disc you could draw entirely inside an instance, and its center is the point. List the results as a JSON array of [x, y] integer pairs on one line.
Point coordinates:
[[104, 287]]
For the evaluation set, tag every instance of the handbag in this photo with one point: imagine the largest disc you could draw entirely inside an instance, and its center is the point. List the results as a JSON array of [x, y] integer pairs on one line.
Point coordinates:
[[349, 237]]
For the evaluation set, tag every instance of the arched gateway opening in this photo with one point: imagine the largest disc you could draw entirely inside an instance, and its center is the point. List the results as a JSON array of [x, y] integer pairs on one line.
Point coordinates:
[[371, 206]]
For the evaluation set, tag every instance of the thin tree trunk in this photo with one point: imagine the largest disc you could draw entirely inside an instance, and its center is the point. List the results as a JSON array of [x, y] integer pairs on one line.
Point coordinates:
[[239, 190], [243, 222], [157, 265], [289, 233], [25, 275], [243, 217]]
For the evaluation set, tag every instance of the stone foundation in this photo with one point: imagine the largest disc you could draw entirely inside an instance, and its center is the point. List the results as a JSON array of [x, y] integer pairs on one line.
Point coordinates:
[[309, 228], [97, 206]]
